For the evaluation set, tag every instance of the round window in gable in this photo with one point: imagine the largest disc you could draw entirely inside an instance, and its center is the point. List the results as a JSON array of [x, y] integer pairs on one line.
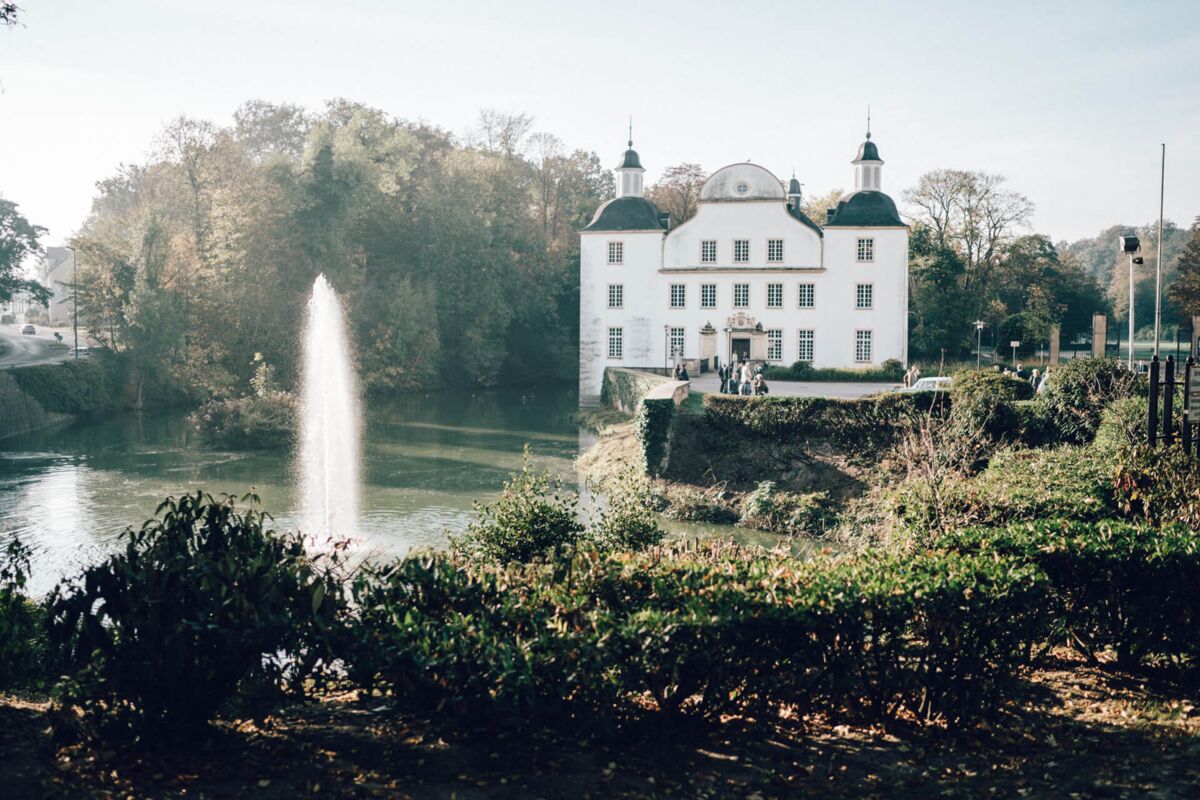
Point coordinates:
[[742, 188]]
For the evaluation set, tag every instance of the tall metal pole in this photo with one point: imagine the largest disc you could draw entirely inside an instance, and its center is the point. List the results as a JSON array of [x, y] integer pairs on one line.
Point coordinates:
[[1162, 185], [978, 342], [1131, 311], [75, 297]]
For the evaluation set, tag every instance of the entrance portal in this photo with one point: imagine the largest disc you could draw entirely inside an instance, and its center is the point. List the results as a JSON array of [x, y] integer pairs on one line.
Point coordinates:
[[741, 348]]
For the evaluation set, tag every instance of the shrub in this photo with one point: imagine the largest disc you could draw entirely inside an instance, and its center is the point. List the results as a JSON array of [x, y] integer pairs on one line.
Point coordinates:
[[653, 431], [248, 423], [694, 504], [22, 640], [1077, 392], [533, 515], [768, 508], [628, 523], [1158, 484], [984, 401], [77, 386], [890, 371], [1134, 588], [202, 602]]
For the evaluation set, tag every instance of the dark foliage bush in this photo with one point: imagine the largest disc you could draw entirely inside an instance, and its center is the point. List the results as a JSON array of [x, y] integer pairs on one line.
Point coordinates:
[[628, 523], [985, 401], [77, 386], [769, 508], [697, 630], [1134, 588], [202, 602], [248, 423], [22, 639], [1077, 392], [890, 371], [869, 422], [533, 516], [653, 431]]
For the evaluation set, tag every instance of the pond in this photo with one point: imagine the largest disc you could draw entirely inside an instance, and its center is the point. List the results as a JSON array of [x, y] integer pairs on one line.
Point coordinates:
[[69, 491]]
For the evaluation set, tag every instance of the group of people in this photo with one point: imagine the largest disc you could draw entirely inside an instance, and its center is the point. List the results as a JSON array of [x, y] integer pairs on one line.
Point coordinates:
[[744, 379], [1035, 377], [912, 376], [681, 373]]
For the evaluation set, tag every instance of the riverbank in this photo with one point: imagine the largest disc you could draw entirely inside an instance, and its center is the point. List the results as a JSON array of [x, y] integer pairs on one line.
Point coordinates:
[[1071, 730]]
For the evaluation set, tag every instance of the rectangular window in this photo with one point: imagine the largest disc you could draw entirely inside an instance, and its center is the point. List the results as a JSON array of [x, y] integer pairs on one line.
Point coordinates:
[[775, 251], [804, 351], [774, 295], [616, 342], [708, 295], [678, 295], [616, 295], [866, 249], [677, 342], [807, 295], [616, 252], [864, 295], [741, 295], [774, 345], [741, 251], [708, 251], [862, 346]]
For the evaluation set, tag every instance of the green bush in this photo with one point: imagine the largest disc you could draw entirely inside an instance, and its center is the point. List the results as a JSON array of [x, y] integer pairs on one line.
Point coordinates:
[[77, 386], [984, 402], [768, 508], [628, 522], [1077, 392], [692, 503], [1122, 425], [248, 423], [653, 431], [1158, 485], [890, 371], [22, 639], [534, 515], [1134, 588], [202, 602]]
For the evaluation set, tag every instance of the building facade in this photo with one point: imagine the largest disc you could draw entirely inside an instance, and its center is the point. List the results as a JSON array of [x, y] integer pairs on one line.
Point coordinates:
[[58, 271], [750, 276]]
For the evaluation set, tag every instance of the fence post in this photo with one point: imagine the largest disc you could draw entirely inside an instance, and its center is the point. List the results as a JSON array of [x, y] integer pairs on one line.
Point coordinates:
[[1168, 427], [1152, 417], [1186, 427]]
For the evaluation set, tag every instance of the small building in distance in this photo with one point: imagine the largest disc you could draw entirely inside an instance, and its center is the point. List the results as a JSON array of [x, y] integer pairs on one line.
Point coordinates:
[[750, 276], [58, 270]]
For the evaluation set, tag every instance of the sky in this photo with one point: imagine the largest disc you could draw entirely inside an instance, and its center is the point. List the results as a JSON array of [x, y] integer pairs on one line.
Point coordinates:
[[1068, 100]]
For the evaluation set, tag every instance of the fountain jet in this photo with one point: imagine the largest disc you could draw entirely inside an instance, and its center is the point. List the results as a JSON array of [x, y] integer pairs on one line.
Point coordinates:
[[329, 421]]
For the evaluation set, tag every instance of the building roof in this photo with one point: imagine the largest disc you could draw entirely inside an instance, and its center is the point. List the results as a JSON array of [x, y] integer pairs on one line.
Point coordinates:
[[630, 160], [628, 214], [802, 217], [741, 181], [867, 208], [867, 151], [793, 186]]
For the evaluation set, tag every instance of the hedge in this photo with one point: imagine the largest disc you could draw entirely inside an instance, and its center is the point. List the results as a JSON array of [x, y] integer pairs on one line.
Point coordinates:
[[866, 422], [76, 386], [653, 431], [624, 389], [891, 371]]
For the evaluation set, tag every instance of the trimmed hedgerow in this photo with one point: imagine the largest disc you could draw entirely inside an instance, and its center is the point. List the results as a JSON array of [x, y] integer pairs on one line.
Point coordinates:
[[1077, 392], [890, 371], [77, 386]]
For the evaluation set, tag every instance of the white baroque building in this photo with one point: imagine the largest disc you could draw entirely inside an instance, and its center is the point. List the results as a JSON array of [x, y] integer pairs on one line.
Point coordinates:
[[749, 275]]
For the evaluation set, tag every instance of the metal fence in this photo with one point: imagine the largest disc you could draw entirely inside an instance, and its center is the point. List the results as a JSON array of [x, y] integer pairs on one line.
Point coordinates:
[[1161, 425]]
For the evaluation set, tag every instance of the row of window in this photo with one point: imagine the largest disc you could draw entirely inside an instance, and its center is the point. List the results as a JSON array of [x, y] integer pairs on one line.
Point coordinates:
[[863, 342], [864, 251], [806, 295]]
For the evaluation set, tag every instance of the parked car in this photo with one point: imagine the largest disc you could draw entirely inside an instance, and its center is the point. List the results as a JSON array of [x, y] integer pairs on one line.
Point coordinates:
[[940, 383], [28, 330], [80, 352]]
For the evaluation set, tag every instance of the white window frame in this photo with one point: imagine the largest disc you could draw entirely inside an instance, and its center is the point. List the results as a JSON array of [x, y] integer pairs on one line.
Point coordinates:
[[616, 336], [778, 300], [619, 248], [802, 340], [865, 250], [678, 340], [774, 344], [708, 295], [746, 297], [812, 295], [859, 339], [616, 291], [682, 287], [746, 258], [706, 258], [864, 291], [778, 259]]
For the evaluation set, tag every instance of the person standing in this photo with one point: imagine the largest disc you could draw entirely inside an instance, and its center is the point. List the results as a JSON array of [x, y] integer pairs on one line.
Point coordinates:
[[747, 378]]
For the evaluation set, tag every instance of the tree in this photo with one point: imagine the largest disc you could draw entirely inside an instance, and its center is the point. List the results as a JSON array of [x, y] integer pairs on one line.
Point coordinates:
[[502, 132], [1185, 291], [816, 206], [19, 239], [678, 191], [8, 14]]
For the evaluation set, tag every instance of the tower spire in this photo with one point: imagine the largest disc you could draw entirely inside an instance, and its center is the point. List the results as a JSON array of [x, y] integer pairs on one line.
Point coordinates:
[[868, 121], [631, 130]]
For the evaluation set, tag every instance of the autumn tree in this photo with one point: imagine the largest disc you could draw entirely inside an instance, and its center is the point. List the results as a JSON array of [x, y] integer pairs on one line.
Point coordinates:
[[678, 191], [816, 206], [1185, 291]]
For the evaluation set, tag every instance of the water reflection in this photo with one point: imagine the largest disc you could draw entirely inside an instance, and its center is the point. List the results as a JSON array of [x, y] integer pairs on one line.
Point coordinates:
[[70, 491]]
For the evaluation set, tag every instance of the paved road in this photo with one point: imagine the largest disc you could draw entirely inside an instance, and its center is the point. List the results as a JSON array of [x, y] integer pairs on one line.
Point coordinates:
[[24, 350], [844, 391]]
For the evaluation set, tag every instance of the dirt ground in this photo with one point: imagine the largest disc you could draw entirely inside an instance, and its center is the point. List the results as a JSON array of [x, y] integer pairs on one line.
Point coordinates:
[[1075, 731]]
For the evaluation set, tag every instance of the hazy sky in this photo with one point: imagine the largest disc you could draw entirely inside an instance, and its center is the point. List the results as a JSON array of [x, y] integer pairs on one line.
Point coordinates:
[[1069, 100]]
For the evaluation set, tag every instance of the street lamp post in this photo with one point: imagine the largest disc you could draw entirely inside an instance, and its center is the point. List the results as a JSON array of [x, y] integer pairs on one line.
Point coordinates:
[[75, 298], [978, 340], [667, 346], [1130, 245]]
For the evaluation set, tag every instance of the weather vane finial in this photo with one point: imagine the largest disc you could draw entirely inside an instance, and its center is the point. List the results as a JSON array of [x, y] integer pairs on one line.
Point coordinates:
[[868, 120], [631, 130]]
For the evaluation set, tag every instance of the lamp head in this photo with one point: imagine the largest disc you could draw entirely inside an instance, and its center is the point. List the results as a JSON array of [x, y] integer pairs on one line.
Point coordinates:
[[1128, 244]]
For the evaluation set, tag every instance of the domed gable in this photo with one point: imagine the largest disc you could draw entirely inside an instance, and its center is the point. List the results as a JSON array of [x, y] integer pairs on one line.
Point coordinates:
[[867, 151], [630, 160], [744, 181], [628, 214], [866, 209]]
